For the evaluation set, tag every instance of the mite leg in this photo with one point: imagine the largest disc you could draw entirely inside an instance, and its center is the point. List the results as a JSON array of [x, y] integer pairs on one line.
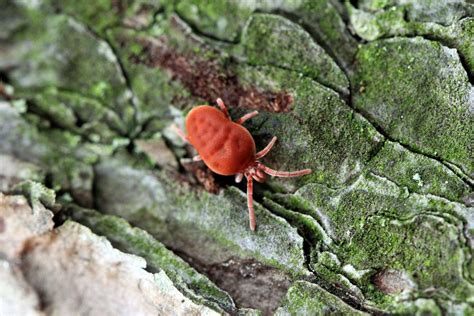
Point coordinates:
[[277, 173], [250, 203], [246, 117], [197, 158], [265, 150], [221, 104], [180, 133], [260, 176]]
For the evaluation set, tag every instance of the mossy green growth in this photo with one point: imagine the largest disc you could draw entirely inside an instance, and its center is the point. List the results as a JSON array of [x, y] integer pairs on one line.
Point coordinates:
[[443, 12], [307, 224], [76, 113], [101, 15], [419, 307], [372, 5], [320, 132], [35, 193], [377, 225], [60, 153], [225, 20], [136, 241], [403, 19], [324, 21], [211, 228], [418, 173], [335, 277], [12, 17], [465, 38], [154, 88], [220, 19], [392, 22], [266, 38], [304, 298], [424, 104], [76, 61], [371, 26], [98, 14]]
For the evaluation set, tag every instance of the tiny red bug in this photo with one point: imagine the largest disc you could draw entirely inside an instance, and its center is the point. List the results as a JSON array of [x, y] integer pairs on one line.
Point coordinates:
[[228, 148]]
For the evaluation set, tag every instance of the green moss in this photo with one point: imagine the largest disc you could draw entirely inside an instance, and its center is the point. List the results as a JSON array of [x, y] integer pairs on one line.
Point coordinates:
[[373, 206], [36, 193], [425, 104], [76, 113], [329, 260], [307, 224], [225, 20], [432, 11], [377, 225], [415, 246], [103, 14], [100, 14], [77, 62], [392, 22], [220, 19], [59, 153], [304, 298], [420, 307], [374, 4], [465, 42], [264, 37], [371, 26], [418, 173], [153, 87], [325, 23]]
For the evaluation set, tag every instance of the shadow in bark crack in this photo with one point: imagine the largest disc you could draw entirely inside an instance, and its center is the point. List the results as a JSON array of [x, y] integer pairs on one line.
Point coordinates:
[[250, 283]]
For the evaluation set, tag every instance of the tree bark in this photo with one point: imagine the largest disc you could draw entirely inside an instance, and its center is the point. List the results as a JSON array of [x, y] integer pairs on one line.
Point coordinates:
[[376, 97]]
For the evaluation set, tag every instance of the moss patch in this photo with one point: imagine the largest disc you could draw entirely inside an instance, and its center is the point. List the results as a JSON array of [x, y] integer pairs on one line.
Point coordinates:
[[376, 225], [305, 298], [76, 61], [418, 173], [266, 37], [426, 105]]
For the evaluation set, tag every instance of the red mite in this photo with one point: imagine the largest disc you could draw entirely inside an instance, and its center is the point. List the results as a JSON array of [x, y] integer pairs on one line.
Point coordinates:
[[228, 148]]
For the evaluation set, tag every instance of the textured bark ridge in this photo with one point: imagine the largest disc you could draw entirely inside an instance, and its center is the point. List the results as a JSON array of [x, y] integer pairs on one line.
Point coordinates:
[[376, 97]]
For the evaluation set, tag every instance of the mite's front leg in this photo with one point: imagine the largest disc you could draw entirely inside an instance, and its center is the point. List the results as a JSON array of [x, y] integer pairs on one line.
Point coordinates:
[[246, 117]]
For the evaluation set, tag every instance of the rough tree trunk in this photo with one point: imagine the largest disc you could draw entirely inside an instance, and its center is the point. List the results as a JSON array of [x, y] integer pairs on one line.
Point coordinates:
[[376, 97]]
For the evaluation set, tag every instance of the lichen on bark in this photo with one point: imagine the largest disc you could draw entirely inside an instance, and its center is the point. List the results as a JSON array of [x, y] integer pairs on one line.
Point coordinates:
[[376, 97]]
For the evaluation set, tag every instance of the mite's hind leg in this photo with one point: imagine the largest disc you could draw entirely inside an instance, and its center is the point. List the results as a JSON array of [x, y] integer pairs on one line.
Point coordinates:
[[286, 174]]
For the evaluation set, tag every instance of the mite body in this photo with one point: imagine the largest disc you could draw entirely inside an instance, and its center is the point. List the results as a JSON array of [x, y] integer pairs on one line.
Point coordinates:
[[228, 148]]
